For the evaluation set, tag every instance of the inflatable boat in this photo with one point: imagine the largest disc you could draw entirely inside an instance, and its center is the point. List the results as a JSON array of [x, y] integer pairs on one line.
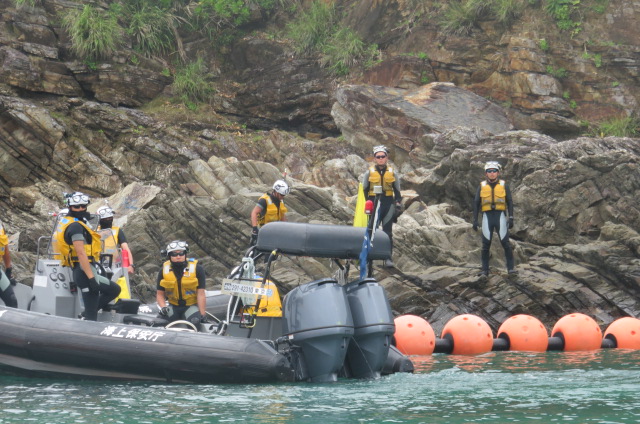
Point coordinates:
[[320, 331]]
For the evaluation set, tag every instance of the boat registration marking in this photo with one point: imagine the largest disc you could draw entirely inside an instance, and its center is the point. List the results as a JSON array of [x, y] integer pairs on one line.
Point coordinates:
[[244, 287]]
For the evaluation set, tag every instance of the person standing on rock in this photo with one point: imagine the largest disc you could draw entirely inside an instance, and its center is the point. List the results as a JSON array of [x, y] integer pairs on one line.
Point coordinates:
[[113, 237], [381, 182], [270, 208], [181, 286], [7, 281], [493, 198], [80, 248]]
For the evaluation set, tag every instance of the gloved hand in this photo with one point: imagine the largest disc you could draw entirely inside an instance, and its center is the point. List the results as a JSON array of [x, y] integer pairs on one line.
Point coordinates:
[[475, 226], [94, 286], [510, 222], [9, 272], [399, 207], [164, 311], [204, 319], [254, 236]]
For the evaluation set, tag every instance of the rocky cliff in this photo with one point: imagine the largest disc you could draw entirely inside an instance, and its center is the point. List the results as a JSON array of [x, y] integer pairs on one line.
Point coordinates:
[[170, 173]]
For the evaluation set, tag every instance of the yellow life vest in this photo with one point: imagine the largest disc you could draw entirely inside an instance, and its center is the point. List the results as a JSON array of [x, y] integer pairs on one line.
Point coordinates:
[[4, 240], [493, 198], [109, 238], [67, 252], [273, 212], [188, 289], [269, 306], [387, 181]]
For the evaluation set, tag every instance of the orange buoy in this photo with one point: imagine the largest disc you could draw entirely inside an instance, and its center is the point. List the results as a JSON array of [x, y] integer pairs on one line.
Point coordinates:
[[525, 333], [579, 332], [414, 335], [470, 334], [625, 332]]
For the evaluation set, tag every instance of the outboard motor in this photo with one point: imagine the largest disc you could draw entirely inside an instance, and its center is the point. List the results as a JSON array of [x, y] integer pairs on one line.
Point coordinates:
[[373, 328], [317, 320]]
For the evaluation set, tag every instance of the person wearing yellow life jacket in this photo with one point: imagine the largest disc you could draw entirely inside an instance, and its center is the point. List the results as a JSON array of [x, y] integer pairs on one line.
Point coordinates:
[[270, 208], [80, 248], [181, 286], [7, 281], [493, 199], [381, 175], [113, 237]]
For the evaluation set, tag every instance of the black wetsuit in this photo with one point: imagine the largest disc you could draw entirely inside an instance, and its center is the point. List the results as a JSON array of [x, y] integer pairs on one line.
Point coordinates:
[[93, 301]]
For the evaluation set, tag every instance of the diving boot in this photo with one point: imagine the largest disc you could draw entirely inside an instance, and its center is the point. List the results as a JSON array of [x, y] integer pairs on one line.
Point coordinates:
[[388, 263]]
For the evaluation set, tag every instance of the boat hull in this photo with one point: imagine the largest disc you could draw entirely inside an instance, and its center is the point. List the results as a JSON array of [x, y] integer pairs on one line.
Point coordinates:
[[36, 343]]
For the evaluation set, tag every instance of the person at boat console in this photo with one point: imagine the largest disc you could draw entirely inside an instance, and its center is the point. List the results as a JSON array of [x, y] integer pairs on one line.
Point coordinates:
[[7, 280], [113, 237], [80, 248], [381, 182], [181, 286], [270, 208], [493, 198]]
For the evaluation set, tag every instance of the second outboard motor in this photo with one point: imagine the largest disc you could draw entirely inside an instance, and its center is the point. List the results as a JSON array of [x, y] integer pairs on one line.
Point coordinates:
[[373, 328], [317, 319]]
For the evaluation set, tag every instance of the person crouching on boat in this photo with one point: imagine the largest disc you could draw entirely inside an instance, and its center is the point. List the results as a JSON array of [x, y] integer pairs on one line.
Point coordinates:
[[113, 236], [181, 286], [270, 208], [6, 278], [80, 249]]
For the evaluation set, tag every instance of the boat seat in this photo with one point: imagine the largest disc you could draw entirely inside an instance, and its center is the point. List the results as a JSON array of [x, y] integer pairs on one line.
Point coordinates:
[[147, 320], [126, 306]]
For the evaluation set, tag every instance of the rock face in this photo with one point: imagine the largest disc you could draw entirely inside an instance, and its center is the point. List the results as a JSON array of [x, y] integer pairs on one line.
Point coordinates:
[[576, 238]]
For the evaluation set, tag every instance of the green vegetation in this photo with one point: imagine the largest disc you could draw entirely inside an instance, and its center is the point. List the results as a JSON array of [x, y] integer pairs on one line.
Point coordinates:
[[94, 32], [617, 127], [317, 31], [544, 45], [313, 28], [344, 50], [461, 16], [559, 73], [26, 3], [191, 85]]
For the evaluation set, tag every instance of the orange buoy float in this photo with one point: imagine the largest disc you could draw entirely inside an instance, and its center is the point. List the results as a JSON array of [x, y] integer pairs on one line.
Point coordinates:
[[625, 332], [470, 335], [579, 332], [524, 333], [414, 335]]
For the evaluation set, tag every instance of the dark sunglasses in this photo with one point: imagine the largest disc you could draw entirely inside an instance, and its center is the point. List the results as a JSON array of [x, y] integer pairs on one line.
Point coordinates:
[[491, 171], [174, 254], [380, 156], [79, 206]]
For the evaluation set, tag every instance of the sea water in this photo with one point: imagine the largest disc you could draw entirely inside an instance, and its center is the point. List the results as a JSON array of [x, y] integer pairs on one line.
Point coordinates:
[[498, 387]]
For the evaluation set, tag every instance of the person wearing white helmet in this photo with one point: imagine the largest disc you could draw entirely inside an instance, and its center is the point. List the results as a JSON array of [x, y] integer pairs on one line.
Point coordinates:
[[7, 281], [181, 286], [113, 237], [270, 208], [493, 198], [80, 247], [384, 178]]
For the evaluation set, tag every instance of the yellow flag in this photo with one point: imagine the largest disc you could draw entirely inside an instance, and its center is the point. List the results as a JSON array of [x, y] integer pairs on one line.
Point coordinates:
[[360, 218]]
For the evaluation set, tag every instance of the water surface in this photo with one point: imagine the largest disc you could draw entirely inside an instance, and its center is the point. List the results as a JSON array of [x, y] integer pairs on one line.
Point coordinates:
[[498, 387]]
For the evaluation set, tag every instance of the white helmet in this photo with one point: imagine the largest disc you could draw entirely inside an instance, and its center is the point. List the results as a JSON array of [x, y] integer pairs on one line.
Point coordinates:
[[380, 148], [177, 245], [77, 199], [105, 212], [281, 187], [492, 164]]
